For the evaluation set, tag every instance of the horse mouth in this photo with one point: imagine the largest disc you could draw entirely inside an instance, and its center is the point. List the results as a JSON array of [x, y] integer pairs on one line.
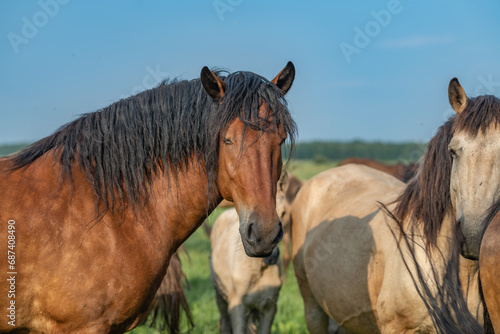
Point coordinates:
[[469, 247], [259, 248], [468, 253], [273, 258]]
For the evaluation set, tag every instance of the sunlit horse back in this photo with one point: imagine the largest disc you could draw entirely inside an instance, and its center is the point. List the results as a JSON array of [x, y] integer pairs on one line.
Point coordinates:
[[98, 208]]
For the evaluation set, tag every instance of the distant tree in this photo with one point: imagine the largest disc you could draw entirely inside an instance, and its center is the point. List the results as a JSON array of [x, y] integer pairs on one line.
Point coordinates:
[[404, 152]]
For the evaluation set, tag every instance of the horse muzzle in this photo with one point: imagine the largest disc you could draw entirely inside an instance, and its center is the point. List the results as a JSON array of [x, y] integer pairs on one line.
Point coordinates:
[[470, 238], [260, 239]]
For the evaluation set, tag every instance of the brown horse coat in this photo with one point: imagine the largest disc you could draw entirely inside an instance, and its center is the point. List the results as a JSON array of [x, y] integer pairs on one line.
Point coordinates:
[[489, 271], [100, 206]]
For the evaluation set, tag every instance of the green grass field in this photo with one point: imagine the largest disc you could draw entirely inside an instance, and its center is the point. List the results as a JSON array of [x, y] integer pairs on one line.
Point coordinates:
[[201, 295]]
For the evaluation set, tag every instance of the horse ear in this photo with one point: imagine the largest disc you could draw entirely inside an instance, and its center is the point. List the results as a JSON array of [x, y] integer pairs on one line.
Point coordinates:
[[213, 85], [456, 94], [284, 79]]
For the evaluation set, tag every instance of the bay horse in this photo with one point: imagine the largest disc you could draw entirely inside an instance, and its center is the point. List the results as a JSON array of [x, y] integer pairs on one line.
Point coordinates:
[[404, 172], [97, 209], [363, 242]]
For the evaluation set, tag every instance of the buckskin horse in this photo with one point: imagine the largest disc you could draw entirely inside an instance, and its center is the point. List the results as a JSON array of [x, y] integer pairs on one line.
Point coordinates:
[[98, 208], [381, 268]]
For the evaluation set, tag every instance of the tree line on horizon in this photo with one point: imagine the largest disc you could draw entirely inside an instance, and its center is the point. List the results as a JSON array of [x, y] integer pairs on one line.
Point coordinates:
[[328, 150], [405, 152]]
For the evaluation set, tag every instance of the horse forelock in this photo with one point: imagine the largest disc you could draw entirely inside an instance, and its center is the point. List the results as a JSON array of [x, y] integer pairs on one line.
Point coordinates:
[[480, 113], [122, 147], [245, 94]]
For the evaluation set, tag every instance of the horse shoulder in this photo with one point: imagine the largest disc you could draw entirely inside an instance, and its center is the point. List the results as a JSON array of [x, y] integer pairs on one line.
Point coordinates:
[[59, 238]]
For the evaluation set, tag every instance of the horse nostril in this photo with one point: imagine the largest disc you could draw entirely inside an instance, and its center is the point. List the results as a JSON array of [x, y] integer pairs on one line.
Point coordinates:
[[251, 235]]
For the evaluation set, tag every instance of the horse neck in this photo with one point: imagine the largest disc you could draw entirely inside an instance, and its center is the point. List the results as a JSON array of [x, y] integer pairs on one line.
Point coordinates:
[[182, 202], [441, 268]]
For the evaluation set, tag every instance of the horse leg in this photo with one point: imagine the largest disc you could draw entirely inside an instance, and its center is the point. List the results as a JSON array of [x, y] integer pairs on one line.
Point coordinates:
[[238, 315], [316, 318], [224, 321], [267, 318]]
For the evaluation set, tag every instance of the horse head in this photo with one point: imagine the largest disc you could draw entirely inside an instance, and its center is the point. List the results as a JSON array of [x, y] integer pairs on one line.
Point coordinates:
[[250, 160], [475, 173]]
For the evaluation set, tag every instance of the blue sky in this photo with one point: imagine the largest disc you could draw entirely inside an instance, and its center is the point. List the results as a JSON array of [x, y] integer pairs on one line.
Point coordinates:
[[373, 70]]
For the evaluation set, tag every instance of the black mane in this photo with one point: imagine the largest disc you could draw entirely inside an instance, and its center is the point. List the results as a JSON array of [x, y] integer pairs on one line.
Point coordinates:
[[121, 148]]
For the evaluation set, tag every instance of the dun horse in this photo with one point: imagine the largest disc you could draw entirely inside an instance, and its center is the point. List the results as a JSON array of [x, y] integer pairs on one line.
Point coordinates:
[[246, 289], [476, 178], [288, 187], [97, 209], [362, 266]]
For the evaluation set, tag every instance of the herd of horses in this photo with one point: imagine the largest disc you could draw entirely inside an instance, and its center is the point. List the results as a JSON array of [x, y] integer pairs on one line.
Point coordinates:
[[94, 215]]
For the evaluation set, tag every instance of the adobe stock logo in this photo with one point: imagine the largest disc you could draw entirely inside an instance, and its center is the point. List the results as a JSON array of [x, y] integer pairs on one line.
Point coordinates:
[[150, 80], [487, 85], [363, 37], [221, 7], [30, 27]]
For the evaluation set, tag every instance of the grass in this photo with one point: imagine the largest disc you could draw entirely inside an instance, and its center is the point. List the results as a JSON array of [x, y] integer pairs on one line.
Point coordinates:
[[305, 169], [201, 295]]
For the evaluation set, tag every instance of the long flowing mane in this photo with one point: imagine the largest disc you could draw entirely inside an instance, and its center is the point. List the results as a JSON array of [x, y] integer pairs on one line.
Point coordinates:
[[122, 147], [426, 199]]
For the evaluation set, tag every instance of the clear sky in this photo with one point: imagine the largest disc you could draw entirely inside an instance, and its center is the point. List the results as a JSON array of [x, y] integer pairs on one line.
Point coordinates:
[[373, 70]]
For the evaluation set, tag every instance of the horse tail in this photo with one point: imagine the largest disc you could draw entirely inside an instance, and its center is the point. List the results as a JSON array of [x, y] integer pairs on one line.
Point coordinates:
[[440, 288], [170, 300]]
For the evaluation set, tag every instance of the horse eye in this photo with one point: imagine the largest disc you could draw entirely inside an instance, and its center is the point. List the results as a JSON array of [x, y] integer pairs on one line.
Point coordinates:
[[227, 141], [453, 153]]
